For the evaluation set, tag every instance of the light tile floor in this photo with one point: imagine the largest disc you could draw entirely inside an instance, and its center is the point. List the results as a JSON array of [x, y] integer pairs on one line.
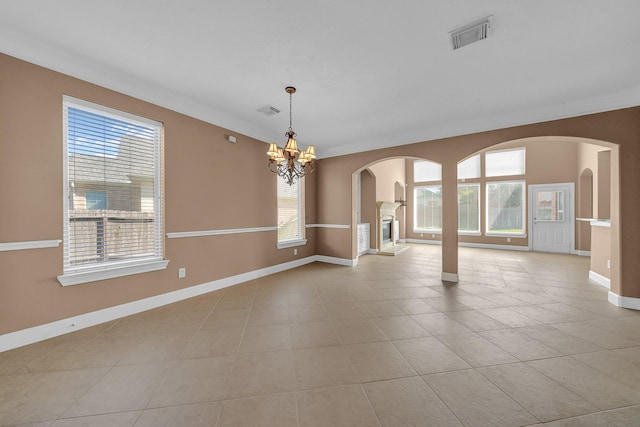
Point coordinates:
[[523, 339]]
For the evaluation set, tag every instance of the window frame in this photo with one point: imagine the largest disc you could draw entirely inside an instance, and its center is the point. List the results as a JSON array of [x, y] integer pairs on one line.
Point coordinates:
[[489, 233], [85, 274], [301, 240]]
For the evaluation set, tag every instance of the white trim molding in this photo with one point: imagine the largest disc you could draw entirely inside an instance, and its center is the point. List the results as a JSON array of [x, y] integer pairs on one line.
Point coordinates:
[[337, 261], [449, 277], [32, 244], [424, 242], [490, 246], [183, 234], [624, 302], [472, 245], [582, 253], [60, 327], [600, 279], [111, 272], [328, 226]]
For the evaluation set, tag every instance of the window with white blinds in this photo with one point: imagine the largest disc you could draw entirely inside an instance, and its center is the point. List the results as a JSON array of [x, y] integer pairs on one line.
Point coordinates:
[[427, 208], [113, 179], [290, 223]]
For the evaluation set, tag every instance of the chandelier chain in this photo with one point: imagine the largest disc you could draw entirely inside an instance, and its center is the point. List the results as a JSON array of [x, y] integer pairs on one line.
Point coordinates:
[[290, 112]]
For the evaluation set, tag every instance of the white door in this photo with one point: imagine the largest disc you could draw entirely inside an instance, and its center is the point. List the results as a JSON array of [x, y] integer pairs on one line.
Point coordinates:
[[551, 211]]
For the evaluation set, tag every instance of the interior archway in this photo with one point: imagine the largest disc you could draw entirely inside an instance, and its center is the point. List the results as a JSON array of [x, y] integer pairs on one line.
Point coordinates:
[[551, 163]]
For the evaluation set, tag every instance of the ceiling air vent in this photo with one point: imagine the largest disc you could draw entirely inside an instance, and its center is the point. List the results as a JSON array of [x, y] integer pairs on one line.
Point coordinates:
[[269, 110], [471, 33]]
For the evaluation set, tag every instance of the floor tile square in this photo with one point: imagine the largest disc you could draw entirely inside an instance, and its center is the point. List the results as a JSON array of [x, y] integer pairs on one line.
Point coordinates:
[[352, 331], [408, 402], [593, 386], [272, 410], [476, 401], [316, 334], [257, 374], [378, 361], [542, 397], [323, 367], [475, 350], [428, 355], [400, 327], [193, 381], [344, 406]]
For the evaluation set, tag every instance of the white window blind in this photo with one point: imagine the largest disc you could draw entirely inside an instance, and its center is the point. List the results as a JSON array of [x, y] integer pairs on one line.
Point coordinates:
[[505, 207], [425, 171], [427, 208], [505, 162], [469, 168], [469, 208], [113, 200], [289, 211]]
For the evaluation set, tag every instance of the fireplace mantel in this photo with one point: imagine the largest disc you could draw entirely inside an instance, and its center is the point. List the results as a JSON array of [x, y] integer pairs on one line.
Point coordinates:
[[387, 209]]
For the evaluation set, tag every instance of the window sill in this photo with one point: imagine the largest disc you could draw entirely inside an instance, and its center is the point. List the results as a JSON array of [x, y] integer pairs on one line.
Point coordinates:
[[516, 235], [469, 233], [111, 273], [292, 243]]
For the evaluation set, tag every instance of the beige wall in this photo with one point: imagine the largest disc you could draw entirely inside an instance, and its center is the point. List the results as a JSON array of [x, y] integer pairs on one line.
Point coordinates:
[[590, 159], [204, 190], [387, 173], [604, 185], [601, 250], [368, 204]]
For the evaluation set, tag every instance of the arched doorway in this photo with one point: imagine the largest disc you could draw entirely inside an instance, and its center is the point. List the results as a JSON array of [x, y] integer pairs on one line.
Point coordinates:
[[551, 161]]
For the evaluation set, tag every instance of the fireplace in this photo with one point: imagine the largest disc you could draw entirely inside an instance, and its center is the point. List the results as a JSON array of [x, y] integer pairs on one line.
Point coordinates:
[[386, 223], [387, 230]]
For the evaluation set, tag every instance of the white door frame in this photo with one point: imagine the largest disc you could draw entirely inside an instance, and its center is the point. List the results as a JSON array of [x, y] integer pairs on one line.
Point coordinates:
[[571, 211]]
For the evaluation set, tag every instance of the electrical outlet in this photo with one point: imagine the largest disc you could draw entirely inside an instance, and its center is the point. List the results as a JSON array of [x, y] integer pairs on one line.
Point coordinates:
[[295, 251], [508, 239], [422, 235], [433, 236], [608, 263], [182, 273]]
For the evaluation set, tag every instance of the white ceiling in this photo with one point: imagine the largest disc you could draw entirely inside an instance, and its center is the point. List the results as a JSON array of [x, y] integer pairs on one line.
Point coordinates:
[[369, 73]]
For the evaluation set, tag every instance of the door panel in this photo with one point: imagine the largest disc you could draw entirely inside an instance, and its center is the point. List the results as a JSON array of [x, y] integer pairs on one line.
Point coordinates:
[[552, 218]]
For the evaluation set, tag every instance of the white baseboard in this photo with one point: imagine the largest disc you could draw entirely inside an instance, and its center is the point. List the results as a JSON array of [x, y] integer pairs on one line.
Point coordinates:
[[471, 245], [582, 253], [624, 302], [600, 279], [423, 242], [490, 246], [449, 277], [60, 327], [338, 261]]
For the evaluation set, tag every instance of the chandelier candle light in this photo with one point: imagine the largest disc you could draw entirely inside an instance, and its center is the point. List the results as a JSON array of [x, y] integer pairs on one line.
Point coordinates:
[[291, 163]]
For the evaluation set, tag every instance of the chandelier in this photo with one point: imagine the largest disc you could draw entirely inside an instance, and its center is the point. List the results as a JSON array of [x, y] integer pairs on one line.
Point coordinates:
[[291, 163]]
